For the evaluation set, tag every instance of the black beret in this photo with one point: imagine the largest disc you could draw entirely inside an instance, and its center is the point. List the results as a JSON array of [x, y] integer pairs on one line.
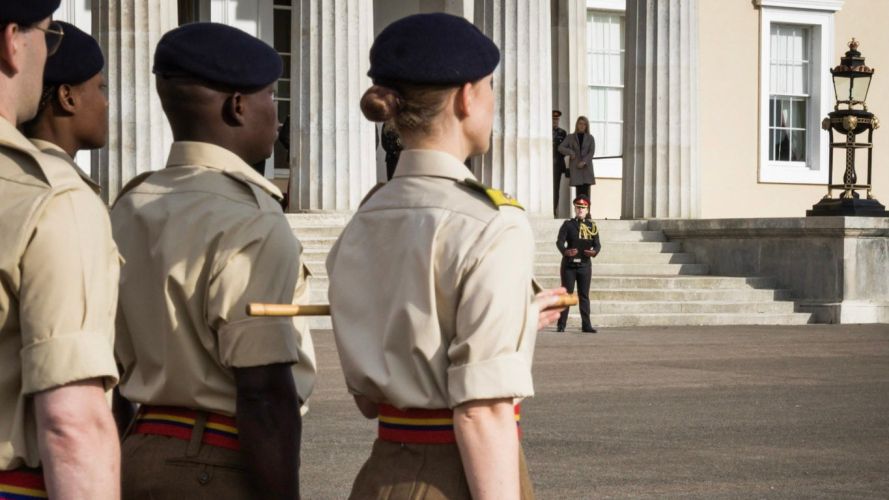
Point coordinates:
[[26, 12], [78, 58], [436, 49], [217, 53]]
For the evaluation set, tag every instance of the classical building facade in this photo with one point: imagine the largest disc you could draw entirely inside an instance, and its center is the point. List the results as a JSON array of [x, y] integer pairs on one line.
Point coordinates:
[[700, 108]]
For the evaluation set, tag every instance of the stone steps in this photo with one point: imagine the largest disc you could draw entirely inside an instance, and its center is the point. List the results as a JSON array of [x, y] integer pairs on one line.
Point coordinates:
[[609, 256], [639, 279], [544, 248], [685, 319], [318, 269], [630, 269], [666, 282]]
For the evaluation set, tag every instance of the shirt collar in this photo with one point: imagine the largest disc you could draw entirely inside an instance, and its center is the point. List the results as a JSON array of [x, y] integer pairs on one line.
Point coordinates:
[[218, 158], [10, 136], [54, 149], [431, 163]]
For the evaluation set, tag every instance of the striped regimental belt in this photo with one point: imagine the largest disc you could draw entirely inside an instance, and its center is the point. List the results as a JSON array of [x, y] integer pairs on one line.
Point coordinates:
[[22, 484], [218, 430], [421, 426]]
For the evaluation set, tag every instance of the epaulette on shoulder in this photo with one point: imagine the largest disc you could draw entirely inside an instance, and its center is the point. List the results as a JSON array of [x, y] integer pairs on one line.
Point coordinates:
[[371, 192], [134, 182], [497, 197]]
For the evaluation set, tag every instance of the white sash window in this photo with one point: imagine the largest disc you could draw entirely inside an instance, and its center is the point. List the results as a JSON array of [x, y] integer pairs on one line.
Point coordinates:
[[605, 66]]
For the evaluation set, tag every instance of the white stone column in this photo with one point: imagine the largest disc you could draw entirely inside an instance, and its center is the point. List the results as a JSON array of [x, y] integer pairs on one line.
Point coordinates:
[[660, 172], [520, 159], [139, 137], [331, 143], [570, 88]]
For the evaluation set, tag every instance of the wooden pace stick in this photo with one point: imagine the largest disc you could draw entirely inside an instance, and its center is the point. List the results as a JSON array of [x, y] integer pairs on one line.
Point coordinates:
[[260, 309], [567, 300]]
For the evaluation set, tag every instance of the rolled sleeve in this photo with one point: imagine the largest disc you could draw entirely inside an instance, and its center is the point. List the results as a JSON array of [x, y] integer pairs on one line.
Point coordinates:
[[257, 342], [490, 355], [506, 376], [264, 268], [67, 358], [68, 295]]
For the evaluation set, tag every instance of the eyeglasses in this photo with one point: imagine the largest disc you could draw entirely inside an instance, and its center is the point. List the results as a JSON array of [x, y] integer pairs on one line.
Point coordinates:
[[54, 34]]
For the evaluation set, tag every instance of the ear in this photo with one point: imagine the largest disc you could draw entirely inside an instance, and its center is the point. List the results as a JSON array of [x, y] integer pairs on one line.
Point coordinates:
[[235, 109], [67, 98], [8, 48], [463, 100]]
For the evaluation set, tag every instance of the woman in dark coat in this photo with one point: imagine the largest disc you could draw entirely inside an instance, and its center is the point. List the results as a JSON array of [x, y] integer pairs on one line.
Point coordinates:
[[579, 147]]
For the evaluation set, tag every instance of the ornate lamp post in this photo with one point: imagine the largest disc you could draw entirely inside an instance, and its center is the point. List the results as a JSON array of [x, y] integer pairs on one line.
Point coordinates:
[[850, 117]]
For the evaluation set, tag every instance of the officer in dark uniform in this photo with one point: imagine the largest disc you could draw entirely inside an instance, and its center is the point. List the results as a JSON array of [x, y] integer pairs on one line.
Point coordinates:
[[559, 169], [578, 242]]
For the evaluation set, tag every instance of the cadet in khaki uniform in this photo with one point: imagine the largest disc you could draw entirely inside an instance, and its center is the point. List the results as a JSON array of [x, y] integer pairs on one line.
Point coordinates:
[[436, 335], [58, 275], [220, 415], [73, 112]]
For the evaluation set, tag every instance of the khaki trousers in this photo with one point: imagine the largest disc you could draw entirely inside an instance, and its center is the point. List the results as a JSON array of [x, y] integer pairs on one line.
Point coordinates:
[[167, 468], [402, 471]]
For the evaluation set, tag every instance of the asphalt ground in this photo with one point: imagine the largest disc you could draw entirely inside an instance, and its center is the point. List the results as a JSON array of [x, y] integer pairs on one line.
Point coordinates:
[[679, 412]]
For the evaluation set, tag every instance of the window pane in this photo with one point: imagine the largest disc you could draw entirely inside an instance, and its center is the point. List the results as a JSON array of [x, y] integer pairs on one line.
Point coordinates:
[[615, 140], [598, 131], [798, 113], [773, 152], [773, 113], [282, 30], [798, 145], [283, 91], [782, 145], [615, 104], [783, 112], [286, 72]]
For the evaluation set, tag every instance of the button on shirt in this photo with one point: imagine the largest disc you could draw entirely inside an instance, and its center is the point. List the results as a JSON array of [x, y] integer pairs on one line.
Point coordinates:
[[201, 239], [58, 288], [430, 291]]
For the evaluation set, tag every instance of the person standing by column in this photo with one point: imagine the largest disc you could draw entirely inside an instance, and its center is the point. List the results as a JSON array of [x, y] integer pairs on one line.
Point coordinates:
[[442, 324], [559, 168], [73, 112], [220, 391], [58, 293], [578, 242], [579, 147]]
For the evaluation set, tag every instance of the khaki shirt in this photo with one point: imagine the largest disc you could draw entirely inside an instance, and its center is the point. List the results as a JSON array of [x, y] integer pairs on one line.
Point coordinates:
[[201, 239], [54, 149], [58, 288], [430, 291]]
